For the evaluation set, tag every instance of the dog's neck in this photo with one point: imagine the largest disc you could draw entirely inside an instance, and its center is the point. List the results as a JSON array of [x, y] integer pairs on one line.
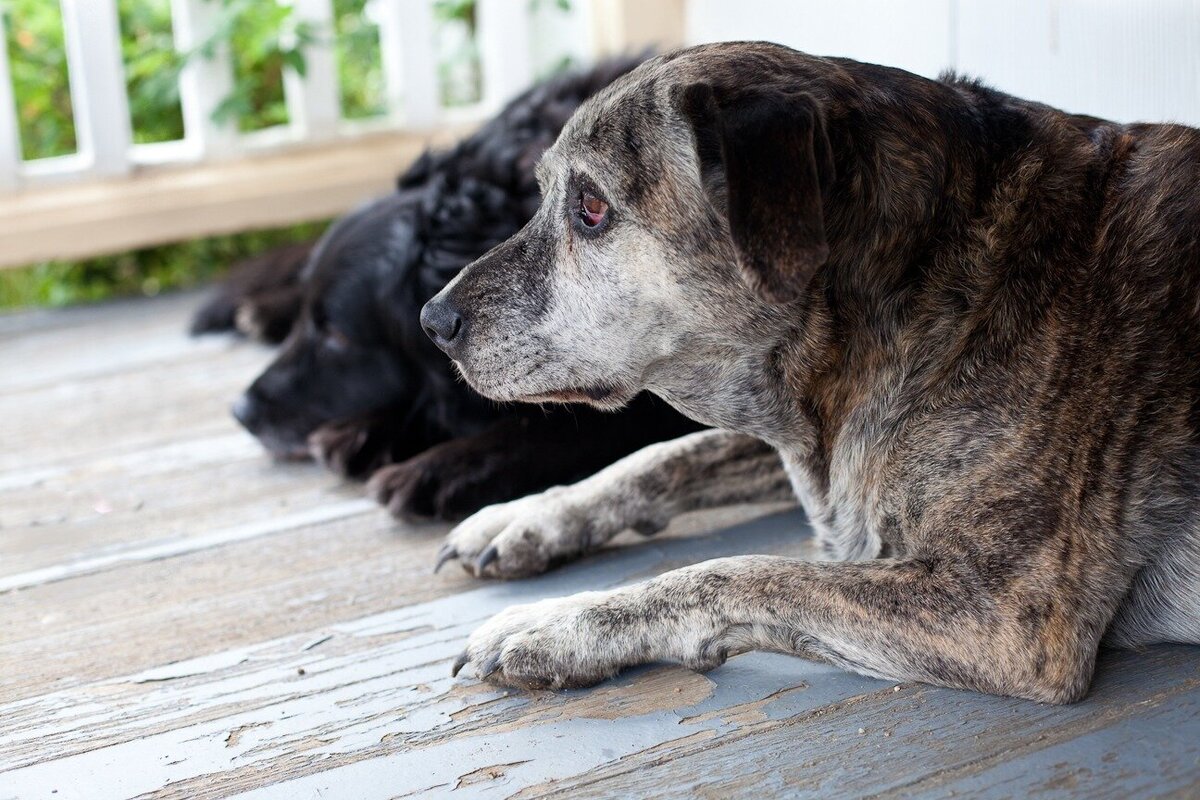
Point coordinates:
[[728, 384], [890, 224]]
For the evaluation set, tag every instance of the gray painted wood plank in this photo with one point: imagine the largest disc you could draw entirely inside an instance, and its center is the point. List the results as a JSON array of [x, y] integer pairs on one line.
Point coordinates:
[[257, 630], [380, 682], [119, 413], [82, 520], [44, 348], [932, 742], [374, 714], [141, 614]]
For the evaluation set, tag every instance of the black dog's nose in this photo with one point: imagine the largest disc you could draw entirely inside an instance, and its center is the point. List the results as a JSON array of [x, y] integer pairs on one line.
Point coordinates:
[[442, 323], [246, 410]]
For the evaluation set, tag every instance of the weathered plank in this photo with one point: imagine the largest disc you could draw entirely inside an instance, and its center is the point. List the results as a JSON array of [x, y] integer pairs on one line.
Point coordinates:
[[940, 743], [183, 618], [375, 685], [81, 521], [45, 348], [139, 614], [365, 709], [121, 412]]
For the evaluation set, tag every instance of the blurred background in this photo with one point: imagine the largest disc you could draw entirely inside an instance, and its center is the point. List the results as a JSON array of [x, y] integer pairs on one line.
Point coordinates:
[[147, 144]]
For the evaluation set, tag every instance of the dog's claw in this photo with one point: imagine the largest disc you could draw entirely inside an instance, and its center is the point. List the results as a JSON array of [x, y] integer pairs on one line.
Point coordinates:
[[489, 666], [446, 553], [459, 663], [486, 557]]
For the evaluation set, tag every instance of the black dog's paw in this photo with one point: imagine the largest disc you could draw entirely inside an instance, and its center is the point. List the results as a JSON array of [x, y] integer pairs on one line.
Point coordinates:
[[215, 316], [269, 316], [427, 486], [270, 278], [350, 449], [247, 322]]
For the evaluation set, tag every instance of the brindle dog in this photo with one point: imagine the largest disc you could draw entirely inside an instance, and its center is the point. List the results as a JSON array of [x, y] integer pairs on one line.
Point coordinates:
[[968, 323]]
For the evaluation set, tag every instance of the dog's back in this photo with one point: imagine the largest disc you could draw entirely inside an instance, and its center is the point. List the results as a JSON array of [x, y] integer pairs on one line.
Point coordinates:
[[1042, 364], [1145, 322], [1093, 316]]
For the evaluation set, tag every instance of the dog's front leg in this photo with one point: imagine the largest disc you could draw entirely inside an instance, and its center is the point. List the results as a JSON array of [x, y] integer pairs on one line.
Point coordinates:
[[902, 620], [643, 491]]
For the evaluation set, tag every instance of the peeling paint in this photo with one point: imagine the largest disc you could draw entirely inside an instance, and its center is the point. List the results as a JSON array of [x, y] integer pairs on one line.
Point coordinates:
[[361, 704]]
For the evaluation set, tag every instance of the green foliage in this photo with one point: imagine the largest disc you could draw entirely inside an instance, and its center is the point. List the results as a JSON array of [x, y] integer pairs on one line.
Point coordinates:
[[360, 67], [38, 61], [151, 70], [460, 74], [140, 272], [263, 38], [261, 35]]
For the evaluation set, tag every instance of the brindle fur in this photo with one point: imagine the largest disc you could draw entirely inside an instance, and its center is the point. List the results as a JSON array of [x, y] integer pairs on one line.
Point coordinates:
[[968, 323], [641, 492]]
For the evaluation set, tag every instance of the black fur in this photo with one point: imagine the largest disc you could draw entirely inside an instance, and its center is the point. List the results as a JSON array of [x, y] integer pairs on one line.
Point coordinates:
[[359, 385], [260, 297]]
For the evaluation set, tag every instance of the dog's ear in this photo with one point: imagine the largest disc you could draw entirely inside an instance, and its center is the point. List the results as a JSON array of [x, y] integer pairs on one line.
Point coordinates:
[[765, 163]]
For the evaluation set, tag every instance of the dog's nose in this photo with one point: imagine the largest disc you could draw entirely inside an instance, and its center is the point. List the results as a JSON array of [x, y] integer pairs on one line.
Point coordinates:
[[246, 410], [442, 323]]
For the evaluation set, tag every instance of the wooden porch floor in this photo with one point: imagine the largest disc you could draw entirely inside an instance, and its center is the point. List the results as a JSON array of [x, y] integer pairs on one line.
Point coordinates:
[[179, 617]]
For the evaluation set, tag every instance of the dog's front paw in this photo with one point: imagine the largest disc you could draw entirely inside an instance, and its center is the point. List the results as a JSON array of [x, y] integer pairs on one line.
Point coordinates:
[[551, 644], [349, 448], [521, 538], [413, 490], [268, 316]]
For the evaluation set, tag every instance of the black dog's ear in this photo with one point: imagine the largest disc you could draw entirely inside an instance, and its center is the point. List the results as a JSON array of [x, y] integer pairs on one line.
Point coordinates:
[[765, 163]]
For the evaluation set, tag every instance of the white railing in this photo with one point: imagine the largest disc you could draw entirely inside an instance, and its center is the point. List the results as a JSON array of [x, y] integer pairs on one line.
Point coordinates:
[[101, 106], [113, 195]]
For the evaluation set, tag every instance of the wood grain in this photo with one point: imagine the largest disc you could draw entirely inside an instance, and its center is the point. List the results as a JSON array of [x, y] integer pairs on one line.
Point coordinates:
[[171, 204], [182, 618]]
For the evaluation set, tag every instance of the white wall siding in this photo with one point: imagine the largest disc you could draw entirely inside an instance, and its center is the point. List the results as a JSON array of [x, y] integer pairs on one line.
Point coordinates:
[[1123, 59], [1132, 60], [911, 34]]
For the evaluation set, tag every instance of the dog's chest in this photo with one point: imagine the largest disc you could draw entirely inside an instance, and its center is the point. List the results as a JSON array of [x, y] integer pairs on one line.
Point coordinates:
[[840, 493], [851, 489]]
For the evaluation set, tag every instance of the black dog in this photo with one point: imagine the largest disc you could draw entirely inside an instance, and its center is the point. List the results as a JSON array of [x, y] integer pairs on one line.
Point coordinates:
[[261, 297], [358, 384]]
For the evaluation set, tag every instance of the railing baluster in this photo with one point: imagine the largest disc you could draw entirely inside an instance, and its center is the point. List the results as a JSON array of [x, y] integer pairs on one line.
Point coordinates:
[[406, 42], [505, 50], [97, 76], [10, 137], [204, 82], [313, 99]]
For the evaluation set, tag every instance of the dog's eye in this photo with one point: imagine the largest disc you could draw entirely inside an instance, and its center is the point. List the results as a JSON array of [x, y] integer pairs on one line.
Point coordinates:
[[592, 210]]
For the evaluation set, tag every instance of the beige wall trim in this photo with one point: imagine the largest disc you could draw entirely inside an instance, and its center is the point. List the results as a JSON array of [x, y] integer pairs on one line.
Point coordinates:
[[172, 204]]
